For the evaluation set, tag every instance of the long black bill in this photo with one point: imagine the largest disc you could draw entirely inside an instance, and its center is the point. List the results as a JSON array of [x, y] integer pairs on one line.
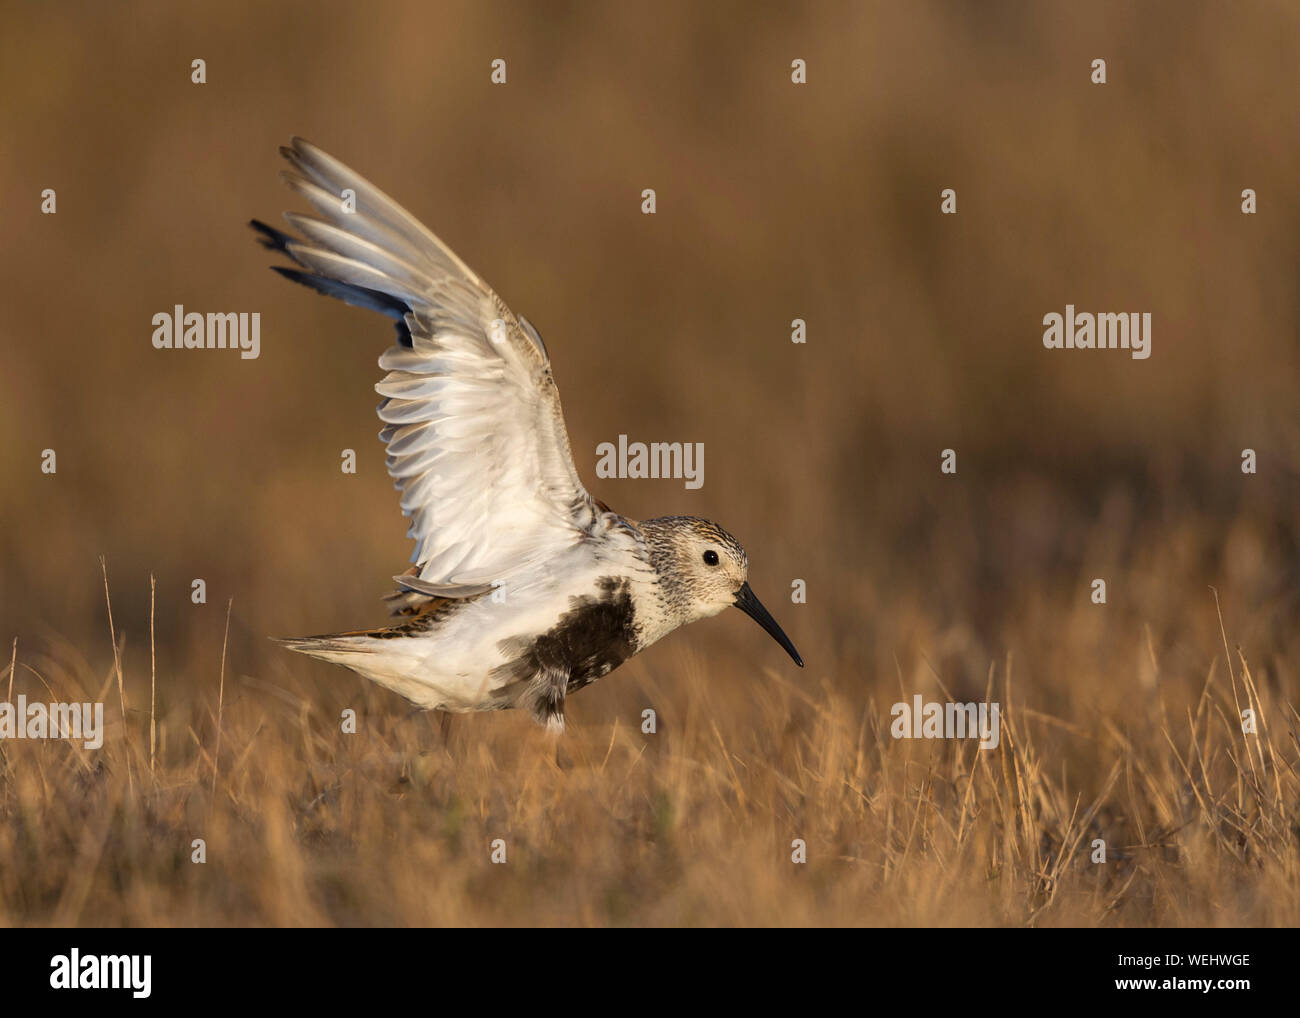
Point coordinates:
[[753, 607]]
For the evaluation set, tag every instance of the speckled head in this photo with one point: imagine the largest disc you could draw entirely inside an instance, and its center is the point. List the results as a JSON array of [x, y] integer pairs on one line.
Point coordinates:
[[702, 570]]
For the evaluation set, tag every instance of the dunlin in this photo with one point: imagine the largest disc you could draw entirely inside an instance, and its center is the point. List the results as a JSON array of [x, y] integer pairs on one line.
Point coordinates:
[[523, 587]]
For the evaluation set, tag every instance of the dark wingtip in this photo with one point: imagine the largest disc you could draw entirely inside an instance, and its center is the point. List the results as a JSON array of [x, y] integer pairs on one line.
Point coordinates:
[[270, 236], [297, 276]]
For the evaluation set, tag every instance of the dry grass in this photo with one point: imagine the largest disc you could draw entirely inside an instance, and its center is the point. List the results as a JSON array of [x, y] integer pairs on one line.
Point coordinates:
[[691, 825], [775, 202]]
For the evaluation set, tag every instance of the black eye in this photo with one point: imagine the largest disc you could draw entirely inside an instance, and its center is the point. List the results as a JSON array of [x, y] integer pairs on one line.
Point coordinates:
[[710, 558]]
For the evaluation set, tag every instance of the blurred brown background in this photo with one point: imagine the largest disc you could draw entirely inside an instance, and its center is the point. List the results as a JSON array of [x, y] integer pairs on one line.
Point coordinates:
[[775, 202]]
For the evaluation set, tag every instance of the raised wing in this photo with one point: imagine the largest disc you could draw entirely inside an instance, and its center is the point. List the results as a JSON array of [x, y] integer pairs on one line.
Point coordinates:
[[475, 434]]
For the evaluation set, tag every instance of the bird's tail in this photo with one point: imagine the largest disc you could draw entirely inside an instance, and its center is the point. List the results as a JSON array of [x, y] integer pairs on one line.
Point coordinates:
[[372, 654], [340, 648]]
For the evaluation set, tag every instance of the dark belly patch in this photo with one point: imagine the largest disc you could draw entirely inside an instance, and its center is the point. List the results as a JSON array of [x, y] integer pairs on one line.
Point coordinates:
[[591, 639]]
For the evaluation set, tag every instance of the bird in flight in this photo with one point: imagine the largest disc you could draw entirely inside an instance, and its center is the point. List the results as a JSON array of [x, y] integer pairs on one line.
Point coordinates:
[[523, 588]]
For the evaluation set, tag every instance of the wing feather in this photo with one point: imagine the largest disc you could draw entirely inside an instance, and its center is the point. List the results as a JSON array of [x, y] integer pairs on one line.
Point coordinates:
[[474, 430]]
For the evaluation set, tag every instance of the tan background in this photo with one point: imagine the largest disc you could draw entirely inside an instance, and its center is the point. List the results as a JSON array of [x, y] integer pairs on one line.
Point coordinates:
[[775, 202]]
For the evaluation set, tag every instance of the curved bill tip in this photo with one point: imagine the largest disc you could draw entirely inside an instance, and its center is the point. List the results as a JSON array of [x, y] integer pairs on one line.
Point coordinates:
[[753, 607]]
